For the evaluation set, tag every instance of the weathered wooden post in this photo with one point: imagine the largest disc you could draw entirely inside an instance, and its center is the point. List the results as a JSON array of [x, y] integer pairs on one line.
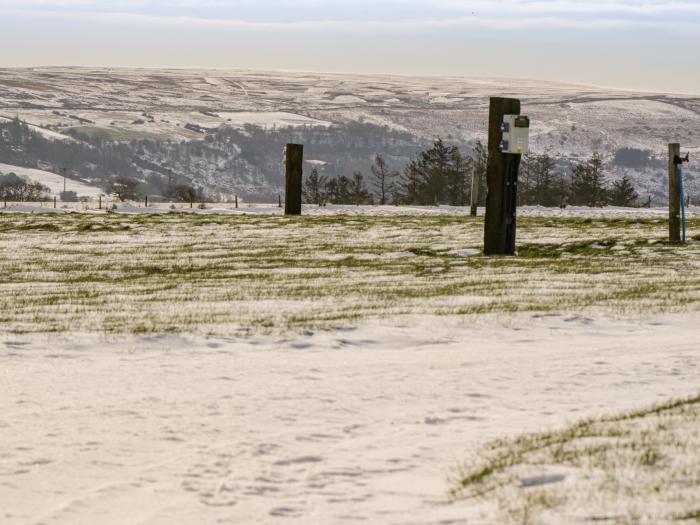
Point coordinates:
[[146, 206], [674, 193], [294, 157], [236, 201], [476, 175], [279, 201], [507, 142], [54, 202], [99, 197]]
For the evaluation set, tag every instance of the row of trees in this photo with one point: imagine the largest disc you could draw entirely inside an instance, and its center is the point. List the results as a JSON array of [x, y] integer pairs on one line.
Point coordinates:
[[129, 188], [543, 182], [443, 175], [17, 189]]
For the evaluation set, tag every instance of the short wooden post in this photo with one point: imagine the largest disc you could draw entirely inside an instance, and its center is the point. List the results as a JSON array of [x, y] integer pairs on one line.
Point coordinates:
[[146, 201], [502, 183], [191, 201], [674, 193], [279, 201], [99, 201], [54, 201], [236, 201], [476, 175]]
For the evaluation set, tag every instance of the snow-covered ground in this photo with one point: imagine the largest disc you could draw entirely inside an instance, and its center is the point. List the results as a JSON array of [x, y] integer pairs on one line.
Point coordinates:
[[364, 424], [216, 368], [52, 181]]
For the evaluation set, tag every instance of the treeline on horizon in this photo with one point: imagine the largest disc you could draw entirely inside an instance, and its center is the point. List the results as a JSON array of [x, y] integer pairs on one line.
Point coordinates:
[[443, 175]]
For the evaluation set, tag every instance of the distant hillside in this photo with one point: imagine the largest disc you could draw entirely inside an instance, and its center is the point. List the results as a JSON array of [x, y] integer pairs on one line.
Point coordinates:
[[223, 131]]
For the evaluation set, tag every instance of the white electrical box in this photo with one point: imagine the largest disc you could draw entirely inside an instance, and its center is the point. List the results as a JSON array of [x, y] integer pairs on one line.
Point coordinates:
[[516, 134]]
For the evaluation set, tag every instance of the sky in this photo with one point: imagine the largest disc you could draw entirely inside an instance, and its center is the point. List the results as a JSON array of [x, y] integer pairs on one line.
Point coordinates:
[[639, 44]]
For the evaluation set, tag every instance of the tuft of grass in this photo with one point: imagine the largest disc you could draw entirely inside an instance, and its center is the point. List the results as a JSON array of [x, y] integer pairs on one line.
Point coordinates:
[[640, 466]]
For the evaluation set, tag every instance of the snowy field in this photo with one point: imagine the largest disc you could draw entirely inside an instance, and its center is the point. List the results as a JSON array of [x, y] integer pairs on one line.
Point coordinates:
[[211, 367]]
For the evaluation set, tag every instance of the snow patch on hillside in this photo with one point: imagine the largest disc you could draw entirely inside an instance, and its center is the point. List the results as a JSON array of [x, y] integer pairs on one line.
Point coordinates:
[[52, 181]]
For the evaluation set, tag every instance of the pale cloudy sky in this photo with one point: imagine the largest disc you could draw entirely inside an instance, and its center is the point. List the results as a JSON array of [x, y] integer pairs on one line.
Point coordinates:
[[644, 44]]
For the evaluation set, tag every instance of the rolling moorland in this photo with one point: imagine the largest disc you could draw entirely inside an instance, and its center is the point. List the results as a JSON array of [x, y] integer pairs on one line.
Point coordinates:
[[223, 131]]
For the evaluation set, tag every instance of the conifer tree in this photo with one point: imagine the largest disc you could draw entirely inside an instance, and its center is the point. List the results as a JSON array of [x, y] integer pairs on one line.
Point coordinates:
[[357, 190], [623, 193], [313, 187], [588, 183]]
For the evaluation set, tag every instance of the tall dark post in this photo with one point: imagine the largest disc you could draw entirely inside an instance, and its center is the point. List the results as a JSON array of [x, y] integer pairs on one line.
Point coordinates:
[[236, 201], [674, 193], [294, 158], [502, 183]]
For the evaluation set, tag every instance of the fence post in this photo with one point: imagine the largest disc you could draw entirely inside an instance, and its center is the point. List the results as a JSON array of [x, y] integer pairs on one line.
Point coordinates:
[[54, 202], [476, 175], [294, 158], [674, 194], [236, 201], [502, 183], [146, 201], [99, 201]]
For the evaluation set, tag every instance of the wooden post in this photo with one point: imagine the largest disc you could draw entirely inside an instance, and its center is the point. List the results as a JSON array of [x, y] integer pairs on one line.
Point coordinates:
[[279, 201], [54, 202], [191, 201], [146, 201], [293, 179], [476, 175], [674, 194], [100, 201], [236, 201], [502, 183]]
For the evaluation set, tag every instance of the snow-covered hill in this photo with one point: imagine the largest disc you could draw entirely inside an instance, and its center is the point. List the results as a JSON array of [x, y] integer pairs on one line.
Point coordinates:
[[52, 181], [569, 121]]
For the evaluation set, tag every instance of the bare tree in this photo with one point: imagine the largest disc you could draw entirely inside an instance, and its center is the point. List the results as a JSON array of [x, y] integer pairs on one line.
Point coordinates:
[[383, 178]]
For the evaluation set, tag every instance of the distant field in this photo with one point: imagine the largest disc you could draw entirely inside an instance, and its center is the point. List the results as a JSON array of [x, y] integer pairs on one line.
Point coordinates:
[[225, 275]]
